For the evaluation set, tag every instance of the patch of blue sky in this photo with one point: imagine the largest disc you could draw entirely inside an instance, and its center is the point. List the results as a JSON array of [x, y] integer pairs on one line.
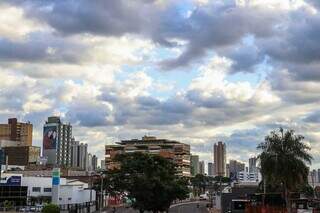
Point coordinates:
[[254, 78], [184, 7]]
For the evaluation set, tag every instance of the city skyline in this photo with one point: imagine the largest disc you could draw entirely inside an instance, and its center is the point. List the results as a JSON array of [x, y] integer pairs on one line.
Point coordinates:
[[245, 74]]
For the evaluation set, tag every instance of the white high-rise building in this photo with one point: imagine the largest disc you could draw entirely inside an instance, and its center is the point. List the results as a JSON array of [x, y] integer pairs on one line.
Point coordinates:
[[219, 157], [244, 176], [79, 152], [253, 165], [201, 167], [57, 138], [194, 170], [94, 162], [210, 169], [103, 164], [89, 162], [235, 167]]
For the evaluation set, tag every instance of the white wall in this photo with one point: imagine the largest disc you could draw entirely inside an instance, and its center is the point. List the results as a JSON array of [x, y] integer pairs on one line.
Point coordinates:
[[42, 182], [71, 191], [75, 194]]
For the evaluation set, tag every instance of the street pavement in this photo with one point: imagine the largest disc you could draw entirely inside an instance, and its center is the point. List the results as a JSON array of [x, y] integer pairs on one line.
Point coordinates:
[[194, 207], [191, 207]]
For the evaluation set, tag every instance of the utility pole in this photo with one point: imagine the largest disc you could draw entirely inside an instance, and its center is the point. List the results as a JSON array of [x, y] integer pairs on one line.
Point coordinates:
[[102, 192]]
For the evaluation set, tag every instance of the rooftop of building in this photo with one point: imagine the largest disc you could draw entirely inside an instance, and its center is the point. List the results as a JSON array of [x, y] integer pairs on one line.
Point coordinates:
[[148, 139], [56, 119], [15, 121]]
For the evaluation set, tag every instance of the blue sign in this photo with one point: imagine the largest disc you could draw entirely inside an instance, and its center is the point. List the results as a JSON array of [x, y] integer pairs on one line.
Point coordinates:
[[55, 181], [11, 181], [56, 176]]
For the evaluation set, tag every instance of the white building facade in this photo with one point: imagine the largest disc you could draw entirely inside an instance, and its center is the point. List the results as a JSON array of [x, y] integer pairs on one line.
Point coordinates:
[[245, 176], [71, 191]]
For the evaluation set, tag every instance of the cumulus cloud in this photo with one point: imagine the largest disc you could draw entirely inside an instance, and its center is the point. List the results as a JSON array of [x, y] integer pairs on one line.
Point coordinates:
[[97, 66]]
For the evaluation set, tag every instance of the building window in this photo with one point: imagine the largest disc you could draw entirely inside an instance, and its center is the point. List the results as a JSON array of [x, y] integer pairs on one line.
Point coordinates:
[[47, 190], [69, 198], [36, 189]]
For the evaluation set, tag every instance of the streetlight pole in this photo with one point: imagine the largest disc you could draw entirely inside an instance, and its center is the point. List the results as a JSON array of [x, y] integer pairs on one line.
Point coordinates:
[[101, 192]]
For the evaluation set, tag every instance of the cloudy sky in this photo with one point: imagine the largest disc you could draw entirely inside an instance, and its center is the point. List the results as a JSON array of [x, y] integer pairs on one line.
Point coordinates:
[[197, 71]]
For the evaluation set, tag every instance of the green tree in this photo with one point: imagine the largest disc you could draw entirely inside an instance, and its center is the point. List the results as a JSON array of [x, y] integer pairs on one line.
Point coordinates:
[[51, 208], [149, 181], [307, 190], [222, 179], [8, 205], [283, 161], [200, 183]]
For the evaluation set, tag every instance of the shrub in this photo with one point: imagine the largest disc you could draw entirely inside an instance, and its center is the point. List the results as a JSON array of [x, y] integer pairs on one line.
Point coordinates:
[[51, 208]]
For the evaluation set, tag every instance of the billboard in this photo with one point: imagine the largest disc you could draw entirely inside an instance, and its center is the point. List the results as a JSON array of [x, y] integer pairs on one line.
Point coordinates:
[[50, 137]]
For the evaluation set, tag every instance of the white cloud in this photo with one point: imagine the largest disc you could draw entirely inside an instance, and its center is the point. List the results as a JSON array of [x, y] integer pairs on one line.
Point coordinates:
[[13, 24]]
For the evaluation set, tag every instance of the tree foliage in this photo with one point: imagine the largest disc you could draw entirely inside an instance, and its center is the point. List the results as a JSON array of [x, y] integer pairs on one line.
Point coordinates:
[[222, 179], [51, 208], [199, 183], [307, 190], [283, 160], [150, 181]]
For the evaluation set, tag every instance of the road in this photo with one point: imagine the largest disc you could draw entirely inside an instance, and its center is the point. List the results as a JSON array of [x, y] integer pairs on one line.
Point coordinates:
[[190, 208], [178, 208]]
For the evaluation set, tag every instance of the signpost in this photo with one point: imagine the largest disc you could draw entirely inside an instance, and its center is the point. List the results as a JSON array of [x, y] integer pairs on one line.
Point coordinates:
[[55, 185]]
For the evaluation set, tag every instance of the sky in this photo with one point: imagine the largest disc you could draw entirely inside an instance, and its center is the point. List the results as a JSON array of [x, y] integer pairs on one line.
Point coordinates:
[[196, 71]]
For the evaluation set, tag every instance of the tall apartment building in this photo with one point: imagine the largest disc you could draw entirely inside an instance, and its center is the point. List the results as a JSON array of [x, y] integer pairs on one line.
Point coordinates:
[[94, 163], [253, 165], [175, 151], [57, 138], [17, 131], [79, 152], [235, 167], [89, 162], [219, 157], [210, 169], [22, 155], [194, 165], [103, 164], [201, 167]]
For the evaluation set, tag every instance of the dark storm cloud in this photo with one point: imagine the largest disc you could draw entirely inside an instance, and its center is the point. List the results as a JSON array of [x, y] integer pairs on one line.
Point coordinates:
[[113, 17], [313, 117], [217, 27], [148, 101], [190, 109], [88, 113], [292, 89], [210, 27], [40, 47], [245, 58], [315, 3], [297, 48]]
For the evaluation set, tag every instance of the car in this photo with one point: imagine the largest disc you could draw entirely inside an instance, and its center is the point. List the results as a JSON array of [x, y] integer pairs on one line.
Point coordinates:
[[24, 209], [39, 208], [203, 197]]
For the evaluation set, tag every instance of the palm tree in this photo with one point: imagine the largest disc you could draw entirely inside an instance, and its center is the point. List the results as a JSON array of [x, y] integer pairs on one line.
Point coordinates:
[[283, 161]]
